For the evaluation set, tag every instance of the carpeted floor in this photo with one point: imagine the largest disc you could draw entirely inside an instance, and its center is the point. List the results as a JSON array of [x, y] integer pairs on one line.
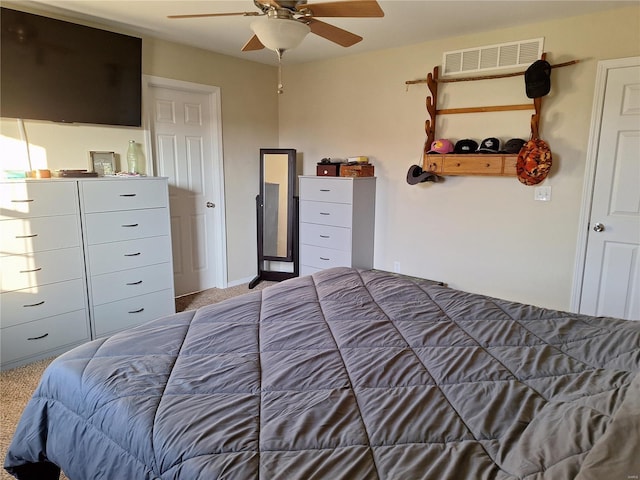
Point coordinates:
[[17, 385], [214, 295]]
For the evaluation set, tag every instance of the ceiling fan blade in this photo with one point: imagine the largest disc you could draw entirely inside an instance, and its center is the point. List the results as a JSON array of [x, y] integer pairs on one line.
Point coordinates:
[[253, 44], [333, 33], [345, 8], [200, 15]]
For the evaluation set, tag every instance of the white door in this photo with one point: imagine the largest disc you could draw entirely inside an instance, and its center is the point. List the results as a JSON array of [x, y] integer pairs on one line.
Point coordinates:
[[185, 131], [611, 279]]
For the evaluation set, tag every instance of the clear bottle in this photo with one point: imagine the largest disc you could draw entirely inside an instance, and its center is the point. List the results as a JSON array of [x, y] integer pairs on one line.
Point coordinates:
[[132, 157]]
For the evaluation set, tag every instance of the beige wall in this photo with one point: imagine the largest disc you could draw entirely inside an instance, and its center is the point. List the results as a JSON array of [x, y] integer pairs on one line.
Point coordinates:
[[249, 122], [480, 234]]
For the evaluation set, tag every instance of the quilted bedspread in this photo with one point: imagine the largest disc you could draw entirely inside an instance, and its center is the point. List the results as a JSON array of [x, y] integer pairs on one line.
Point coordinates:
[[344, 374]]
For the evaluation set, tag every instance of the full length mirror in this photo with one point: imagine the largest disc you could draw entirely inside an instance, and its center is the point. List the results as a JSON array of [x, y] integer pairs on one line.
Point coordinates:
[[277, 199], [277, 215]]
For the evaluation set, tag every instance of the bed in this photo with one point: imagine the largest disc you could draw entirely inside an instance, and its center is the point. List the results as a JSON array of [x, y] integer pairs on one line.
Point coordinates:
[[344, 374]]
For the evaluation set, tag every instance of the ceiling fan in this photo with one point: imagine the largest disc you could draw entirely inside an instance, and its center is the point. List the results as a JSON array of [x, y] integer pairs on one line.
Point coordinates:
[[285, 23]]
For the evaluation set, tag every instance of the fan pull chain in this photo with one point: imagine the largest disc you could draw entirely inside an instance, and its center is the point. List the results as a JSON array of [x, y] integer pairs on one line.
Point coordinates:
[[280, 86]]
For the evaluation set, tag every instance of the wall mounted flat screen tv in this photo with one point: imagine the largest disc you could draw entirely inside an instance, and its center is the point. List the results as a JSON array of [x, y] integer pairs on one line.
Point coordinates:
[[65, 72]]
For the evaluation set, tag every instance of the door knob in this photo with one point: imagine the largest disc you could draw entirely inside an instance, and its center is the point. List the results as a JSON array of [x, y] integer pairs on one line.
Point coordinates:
[[210, 205], [598, 227]]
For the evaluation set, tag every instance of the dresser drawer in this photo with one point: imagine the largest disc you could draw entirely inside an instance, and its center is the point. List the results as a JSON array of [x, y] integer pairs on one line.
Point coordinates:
[[337, 238], [307, 270], [30, 304], [127, 225], [36, 199], [112, 257], [37, 234], [23, 271], [336, 214], [27, 339], [126, 194], [475, 164], [130, 283], [112, 317], [320, 257], [326, 189]]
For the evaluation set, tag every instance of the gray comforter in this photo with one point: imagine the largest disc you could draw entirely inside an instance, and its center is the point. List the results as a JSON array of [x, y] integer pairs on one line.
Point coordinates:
[[345, 374]]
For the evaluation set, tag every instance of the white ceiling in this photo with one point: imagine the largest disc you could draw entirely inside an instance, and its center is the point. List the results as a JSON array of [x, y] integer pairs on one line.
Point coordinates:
[[405, 22]]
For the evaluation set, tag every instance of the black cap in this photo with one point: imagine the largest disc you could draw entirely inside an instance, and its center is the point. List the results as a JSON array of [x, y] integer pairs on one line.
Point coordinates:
[[537, 79], [416, 175], [489, 145], [466, 146], [513, 146]]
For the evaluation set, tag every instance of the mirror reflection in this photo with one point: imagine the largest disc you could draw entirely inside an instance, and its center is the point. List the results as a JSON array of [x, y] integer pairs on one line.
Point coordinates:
[[277, 207], [275, 204]]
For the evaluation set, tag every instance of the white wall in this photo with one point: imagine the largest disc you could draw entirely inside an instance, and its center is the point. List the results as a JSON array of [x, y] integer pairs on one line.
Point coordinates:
[[480, 234]]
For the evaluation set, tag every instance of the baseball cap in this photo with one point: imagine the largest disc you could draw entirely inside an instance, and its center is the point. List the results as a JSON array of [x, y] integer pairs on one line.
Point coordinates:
[[466, 146], [489, 145], [416, 175], [513, 145], [537, 79], [441, 146]]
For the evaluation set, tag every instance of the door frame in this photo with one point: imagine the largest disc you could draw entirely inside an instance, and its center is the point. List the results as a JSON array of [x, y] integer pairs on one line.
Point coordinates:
[[590, 170], [218, 194]]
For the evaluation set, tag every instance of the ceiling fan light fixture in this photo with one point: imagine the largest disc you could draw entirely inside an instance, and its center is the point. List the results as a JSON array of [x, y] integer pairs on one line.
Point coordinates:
[[280, 34]]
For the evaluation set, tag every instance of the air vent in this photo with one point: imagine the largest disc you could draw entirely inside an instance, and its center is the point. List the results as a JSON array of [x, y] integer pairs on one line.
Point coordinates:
[[492, 57]]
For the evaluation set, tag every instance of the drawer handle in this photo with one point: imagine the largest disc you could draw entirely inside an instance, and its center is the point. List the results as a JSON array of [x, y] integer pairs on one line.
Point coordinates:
[[324, 213], [325, 190], [31, 271], [34, 304], [135, 283], [27, 236], [128, 194], [131, 225], [23, 201], [38, 338], [325, 259], [325, 236], [137, 311], [132, 254]]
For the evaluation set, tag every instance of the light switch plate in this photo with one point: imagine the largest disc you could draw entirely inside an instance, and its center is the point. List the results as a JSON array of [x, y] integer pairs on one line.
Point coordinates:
[[542, 194]]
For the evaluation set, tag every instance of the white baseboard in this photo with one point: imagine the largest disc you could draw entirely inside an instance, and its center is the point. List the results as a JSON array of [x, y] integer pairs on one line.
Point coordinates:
[[242, 281]]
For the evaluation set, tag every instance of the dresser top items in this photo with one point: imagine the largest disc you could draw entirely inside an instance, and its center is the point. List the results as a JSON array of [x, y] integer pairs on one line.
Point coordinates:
[[351, 167]]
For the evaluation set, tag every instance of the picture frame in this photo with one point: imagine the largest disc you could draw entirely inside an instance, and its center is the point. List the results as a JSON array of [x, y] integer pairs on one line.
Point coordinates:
[[103, 163]]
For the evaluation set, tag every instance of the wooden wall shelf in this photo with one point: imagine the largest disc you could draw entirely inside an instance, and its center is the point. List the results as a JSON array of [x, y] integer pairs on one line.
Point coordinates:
[[471, 164]]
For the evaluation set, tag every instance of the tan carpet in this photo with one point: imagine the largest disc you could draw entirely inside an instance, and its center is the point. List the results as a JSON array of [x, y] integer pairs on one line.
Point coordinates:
[[17, 385], [214, 295]]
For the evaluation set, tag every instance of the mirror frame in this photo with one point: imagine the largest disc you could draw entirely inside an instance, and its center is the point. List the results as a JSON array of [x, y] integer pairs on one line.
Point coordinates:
[[291, 179]]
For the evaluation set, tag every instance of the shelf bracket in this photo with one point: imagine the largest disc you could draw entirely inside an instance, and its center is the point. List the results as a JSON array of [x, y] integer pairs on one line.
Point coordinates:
[[432, 101]]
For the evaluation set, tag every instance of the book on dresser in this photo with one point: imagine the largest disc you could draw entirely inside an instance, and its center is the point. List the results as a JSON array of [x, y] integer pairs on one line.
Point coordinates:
[[80, 259]]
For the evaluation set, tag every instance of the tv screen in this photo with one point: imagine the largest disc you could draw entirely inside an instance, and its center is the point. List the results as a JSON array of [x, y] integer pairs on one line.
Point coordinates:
[[65, 72]]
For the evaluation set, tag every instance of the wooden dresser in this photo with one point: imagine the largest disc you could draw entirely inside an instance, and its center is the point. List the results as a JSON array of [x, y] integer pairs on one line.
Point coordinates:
[[80, 259], [337, 220]]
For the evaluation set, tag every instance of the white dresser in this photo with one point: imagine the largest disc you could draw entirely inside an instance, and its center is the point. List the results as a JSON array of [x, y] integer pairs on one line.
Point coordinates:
[[337, 221], [128, 251], [43, 299], [80, 259]]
